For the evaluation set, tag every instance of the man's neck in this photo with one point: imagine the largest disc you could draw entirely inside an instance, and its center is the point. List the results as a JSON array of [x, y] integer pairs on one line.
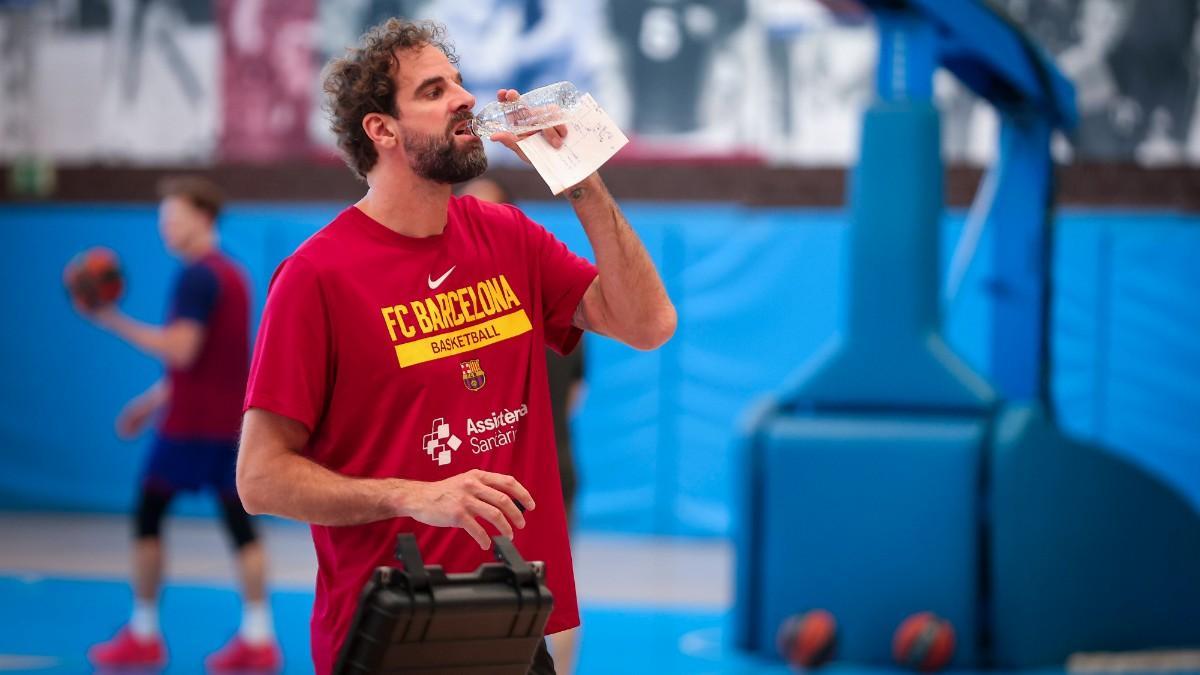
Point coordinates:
[[199, 248], [406, 204]]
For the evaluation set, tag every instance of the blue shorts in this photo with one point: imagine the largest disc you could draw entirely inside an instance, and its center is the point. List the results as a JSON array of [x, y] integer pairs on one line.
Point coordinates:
[[176, 465]]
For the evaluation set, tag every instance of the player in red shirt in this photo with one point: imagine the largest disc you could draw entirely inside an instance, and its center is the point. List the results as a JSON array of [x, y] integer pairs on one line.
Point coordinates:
[[399, 378], [205, 347]]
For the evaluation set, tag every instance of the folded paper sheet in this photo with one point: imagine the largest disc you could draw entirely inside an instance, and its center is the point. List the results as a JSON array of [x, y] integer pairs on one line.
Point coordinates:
[[592, 138]]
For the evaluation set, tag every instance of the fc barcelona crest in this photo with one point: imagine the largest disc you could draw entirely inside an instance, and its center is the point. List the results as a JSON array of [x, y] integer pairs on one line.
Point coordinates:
[[473, 375]]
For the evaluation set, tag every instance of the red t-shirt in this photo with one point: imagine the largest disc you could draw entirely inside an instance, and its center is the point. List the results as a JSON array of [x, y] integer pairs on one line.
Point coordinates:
[[422, 358], [206, 397]]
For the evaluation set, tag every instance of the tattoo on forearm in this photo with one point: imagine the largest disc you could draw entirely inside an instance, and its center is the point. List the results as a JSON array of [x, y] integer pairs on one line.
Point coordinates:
[[576, 194]]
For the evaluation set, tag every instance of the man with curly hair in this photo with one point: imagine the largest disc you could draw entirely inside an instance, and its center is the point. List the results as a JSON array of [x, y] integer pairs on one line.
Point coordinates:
[[398, 382]]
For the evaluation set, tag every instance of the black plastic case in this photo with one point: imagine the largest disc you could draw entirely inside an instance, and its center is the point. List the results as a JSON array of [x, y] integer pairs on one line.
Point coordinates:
[[420, 620]]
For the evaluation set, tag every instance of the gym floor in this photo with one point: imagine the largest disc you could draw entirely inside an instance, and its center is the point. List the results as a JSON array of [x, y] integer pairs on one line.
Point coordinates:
[[649, 605]]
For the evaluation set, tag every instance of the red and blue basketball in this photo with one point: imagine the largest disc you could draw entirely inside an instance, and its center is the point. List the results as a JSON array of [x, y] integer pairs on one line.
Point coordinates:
[[93, 278], [924, 642], [808, 640]]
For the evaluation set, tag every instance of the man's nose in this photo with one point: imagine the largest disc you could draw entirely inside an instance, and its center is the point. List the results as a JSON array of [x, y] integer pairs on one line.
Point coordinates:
[[464, 100]]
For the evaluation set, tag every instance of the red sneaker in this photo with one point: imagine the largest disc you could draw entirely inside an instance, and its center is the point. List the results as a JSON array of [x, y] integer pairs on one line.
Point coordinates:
[[126, 650], [239, 655]]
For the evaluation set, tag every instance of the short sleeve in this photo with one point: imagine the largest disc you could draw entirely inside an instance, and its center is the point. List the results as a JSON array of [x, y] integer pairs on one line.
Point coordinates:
[[195, 294], [290, 370], [564, 279]]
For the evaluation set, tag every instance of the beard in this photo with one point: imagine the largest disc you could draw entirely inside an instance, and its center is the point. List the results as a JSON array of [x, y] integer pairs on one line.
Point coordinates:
[[438, 158]]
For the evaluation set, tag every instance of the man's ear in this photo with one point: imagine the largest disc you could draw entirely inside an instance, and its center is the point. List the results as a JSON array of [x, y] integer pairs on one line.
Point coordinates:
[[381, 130]]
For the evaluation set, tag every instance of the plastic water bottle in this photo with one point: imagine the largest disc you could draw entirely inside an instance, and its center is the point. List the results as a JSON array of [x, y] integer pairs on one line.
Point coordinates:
[[543, 107]]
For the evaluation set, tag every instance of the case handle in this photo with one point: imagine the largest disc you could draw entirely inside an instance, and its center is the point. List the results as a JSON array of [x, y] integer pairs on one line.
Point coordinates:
[[507, 553], [408, 553]]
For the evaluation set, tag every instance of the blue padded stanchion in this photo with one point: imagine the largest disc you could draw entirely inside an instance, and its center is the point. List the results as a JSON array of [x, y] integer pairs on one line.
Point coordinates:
[[872, 517], [1090, 552], [861, 486], [863, 481]]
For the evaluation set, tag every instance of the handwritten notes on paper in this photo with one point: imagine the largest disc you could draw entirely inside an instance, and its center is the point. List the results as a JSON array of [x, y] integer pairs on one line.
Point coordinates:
[[592, 138]]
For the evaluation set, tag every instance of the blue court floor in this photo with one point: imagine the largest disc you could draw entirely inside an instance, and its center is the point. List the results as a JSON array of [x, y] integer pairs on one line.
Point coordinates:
[[63, 587], [48, 624]]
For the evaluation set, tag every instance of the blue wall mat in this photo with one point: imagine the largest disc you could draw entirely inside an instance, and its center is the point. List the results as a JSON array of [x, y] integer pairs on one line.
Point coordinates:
[[757, 294], [1126, 356], [753, 289], [64, 380]]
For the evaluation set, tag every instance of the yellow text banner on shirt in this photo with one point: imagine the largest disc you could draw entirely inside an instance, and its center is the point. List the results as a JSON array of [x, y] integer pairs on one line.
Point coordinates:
[[480, 335]]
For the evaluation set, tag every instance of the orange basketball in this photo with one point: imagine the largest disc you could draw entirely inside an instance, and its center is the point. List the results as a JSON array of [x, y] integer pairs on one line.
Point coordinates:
[[924, 642], [808, 640], [93, 278]]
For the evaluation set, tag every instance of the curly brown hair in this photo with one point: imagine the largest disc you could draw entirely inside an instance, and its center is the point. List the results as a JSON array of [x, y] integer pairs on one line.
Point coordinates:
[[363, 82]]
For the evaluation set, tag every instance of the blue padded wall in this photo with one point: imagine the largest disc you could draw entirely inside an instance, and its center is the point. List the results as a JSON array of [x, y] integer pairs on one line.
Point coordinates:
[[757, 293], [1126, 365], [64, 381]]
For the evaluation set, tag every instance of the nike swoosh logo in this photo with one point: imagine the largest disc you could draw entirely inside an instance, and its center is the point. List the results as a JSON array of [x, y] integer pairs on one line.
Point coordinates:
[[434, 283]]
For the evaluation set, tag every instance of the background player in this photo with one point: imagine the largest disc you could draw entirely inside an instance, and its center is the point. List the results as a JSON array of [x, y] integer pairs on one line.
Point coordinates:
[[204, 346]]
